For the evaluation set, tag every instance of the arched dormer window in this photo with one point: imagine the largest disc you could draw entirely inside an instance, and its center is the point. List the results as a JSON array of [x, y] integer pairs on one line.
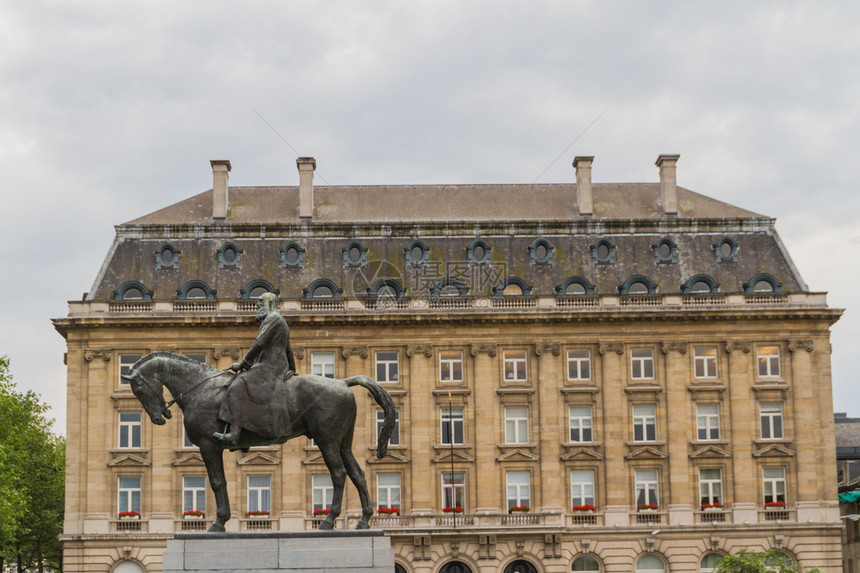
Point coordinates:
[[229, 256], [167, 257], [293, 255], [512, 286], [665, 251], [478, 252], [322, 288], [417, 253], [256, 289], [575, 286], [195, 290], [726, 250], [638, 284], [603, 252], [763, 282], [354, 255], [585, 563], [386, 288], [700, 284], [541, 252], [449, 287], [132, 290], [650, 563]]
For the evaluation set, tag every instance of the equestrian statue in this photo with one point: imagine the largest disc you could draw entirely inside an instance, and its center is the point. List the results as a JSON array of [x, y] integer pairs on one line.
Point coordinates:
[[261, 401]]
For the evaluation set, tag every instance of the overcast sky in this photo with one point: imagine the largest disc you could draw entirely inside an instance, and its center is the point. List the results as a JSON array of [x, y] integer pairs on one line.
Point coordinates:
[[110, 110]]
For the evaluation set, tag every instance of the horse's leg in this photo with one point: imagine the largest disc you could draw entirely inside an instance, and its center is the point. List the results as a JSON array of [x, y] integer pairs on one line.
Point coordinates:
[[356, 474], [212, 454], [333, 462]]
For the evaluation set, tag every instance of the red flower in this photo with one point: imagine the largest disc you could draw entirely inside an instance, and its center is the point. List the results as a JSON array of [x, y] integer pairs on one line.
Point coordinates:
[[716, 504], [319, 512], [648, 506], [449, 509], [774, 504], [586, 507], [194, 513], [389, 510], [257, 513], [522, 508], [131, 513]]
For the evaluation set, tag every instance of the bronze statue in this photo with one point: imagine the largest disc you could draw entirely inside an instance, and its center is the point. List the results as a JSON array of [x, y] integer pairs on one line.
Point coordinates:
[[266, 365], [270, 410]]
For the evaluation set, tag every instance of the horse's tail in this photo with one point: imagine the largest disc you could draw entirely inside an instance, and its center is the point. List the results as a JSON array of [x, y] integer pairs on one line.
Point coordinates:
[[382, 398]]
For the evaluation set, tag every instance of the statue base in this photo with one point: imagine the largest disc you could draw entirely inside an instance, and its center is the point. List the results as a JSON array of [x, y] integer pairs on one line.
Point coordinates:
[[363, 551]]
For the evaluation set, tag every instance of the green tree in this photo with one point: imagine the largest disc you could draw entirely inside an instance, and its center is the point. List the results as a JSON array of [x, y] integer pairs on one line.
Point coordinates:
[[32, 461], [773, 561]]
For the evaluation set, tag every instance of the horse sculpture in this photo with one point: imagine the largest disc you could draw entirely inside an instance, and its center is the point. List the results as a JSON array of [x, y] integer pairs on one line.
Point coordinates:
[[321, 408]]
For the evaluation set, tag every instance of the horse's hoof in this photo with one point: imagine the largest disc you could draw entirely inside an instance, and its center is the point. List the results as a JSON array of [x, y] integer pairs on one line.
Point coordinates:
[[325, 525], [215, 528], [362, 525]]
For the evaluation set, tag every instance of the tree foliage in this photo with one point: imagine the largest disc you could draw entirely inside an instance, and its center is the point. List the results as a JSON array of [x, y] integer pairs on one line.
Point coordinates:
[[32, 463], [773, 561]]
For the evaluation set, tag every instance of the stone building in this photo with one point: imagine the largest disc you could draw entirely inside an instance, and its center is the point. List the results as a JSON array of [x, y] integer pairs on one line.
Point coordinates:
[[639, 365]]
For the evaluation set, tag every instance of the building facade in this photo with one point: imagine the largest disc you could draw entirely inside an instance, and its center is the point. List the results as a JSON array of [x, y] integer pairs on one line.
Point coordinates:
[[589, 377]]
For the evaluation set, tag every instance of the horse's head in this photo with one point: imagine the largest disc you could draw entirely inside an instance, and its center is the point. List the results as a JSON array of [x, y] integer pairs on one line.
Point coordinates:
[[149, 390]]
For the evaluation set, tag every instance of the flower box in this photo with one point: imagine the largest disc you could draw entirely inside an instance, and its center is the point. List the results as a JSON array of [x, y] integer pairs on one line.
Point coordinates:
[[321, 512], [193, 514], [126, 515], [258, 513], [774, 505], [587, 508], [389, 510], [716, 506], [648, 507], [519, 509], [450, 509]]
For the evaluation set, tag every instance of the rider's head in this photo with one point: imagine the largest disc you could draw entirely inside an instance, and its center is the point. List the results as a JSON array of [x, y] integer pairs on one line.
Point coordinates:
[[267, 303]]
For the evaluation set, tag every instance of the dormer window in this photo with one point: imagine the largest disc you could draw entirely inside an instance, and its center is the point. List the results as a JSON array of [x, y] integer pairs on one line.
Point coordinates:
[[132, 290], [417, 253], [478, 252], [726, 250], [665, 251], [322, 288], [195, 290], [637, 284], [763, 282], [700, 284], [575, 286], [292, 255], [541, 251], [603, 252], [229, 255], [512, 286], [256, 289], [167, 257], [354, 255]]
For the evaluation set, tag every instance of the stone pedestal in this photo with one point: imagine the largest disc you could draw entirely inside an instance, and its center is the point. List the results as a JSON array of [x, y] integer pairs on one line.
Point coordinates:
[[280, 552]]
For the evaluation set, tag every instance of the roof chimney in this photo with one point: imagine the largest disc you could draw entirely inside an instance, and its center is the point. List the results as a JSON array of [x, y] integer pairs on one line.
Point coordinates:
[[583, 184], [306, 166], [220, 174], [668, 185]]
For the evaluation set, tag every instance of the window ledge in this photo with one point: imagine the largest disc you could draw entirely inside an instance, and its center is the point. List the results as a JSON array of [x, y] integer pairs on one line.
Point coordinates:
[[456, 446], [646, 443], [574, 389], [518, 389], [770, 385], [643, 387], [710, 443], [396, 447], [129, 450], [582, 444], [507, 446]]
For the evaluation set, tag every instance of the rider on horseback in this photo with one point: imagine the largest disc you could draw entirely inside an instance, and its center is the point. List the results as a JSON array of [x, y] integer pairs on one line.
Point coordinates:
[[268, 362]]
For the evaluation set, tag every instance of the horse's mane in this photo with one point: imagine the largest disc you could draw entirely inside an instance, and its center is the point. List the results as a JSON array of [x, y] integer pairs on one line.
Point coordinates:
[[173, 356]]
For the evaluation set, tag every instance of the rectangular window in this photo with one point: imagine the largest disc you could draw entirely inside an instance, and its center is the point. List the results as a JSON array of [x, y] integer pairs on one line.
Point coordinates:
[[129, 429], [194, 493], [644, 423], [768, 361], [518, 488], [322, 364], [186, 441], [387, 367], [388, 490], [515, 365], [126, 361], [322, 491], [198, 357], [516, 424], [771, 420], [452, 425], [128, 498], [579, 364], [451, 366], [395, 435], [259, 493], [646, 487], [454, 490], [705, 361], [773, 484], [642, 363], [580, 423], [710, 486], [708, 422], [582, 487]]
